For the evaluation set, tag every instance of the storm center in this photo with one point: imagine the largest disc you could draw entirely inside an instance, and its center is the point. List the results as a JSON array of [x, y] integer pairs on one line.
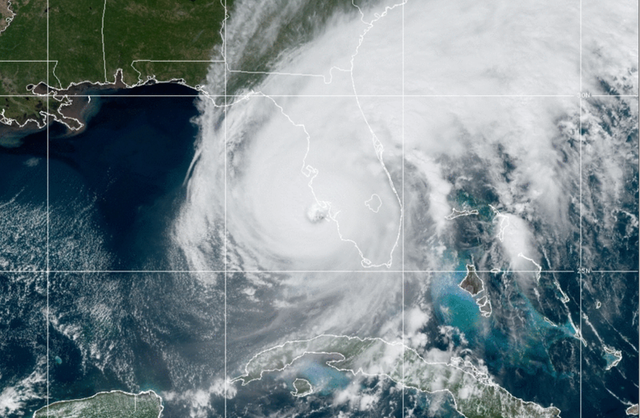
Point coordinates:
[[317, 213]]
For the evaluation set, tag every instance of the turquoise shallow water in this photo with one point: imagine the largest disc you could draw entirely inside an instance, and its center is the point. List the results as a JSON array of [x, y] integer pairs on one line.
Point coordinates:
[[325, 380]]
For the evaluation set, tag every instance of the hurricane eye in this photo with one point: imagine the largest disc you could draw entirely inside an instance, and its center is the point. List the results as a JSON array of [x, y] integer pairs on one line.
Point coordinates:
[[317, 213]]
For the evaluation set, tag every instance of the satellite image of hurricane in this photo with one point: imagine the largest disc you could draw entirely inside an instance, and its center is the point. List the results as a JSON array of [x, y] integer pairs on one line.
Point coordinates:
[[367, 208]]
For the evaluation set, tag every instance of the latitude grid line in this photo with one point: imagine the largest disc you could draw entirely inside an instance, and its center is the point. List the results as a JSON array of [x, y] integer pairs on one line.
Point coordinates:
[[48, 271], [200, 94], [138, 60], [52, 271]]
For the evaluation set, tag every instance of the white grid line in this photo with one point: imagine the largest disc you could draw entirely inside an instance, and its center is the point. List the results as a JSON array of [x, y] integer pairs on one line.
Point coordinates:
[[104, 56], [397, 96], [225, 110], [48, 10], [404, 347], [304, 271], [580, 271], [180, 61], [638, 120], [138, 60], [612, 95]]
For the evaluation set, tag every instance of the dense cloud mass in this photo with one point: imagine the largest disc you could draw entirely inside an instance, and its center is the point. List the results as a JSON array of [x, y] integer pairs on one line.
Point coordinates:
[[355, 162], [326, 107], [352, 133]]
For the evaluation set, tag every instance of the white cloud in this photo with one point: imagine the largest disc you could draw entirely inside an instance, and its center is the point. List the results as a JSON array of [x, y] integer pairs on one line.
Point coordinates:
[[13, 398]]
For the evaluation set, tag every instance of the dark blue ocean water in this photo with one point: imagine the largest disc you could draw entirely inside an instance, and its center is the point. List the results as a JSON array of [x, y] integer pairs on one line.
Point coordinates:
[[114, 189], [128, 168], [125, 175]]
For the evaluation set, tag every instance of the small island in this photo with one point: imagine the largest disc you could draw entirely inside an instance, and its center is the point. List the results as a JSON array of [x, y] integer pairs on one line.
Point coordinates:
[[114, 404], [455, 213], [472, 283], [302, 388], [612, 356], [485, 306]]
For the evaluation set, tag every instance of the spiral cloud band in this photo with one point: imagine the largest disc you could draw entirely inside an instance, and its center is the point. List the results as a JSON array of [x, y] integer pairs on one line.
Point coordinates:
[[322, 114]]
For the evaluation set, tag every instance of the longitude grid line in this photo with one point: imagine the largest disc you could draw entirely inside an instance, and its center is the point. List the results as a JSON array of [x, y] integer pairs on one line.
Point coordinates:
[[48, 10], [403, 218], [224, 28], [580, 271]]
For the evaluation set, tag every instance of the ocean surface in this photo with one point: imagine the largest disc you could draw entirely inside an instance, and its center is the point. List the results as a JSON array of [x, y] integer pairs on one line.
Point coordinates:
[[113, 189], [123, 174]]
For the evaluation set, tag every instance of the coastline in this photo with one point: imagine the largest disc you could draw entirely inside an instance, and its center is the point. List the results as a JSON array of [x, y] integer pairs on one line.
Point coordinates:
[[102, 393], [75, 105]]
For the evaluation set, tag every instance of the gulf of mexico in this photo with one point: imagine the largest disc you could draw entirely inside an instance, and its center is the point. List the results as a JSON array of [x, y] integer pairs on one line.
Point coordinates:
[[115, 186]]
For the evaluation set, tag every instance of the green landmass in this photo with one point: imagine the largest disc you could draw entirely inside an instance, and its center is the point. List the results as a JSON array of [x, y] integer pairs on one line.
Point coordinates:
[[14, 78], [474, 394], [302, 387], [114, 404], [75, 42], [139, 37], [26, 37], [190, 72]]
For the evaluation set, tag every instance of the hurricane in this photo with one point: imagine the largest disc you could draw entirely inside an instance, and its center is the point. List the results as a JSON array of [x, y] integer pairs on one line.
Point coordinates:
[[357, 159], [344, 208], [326, 135]]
